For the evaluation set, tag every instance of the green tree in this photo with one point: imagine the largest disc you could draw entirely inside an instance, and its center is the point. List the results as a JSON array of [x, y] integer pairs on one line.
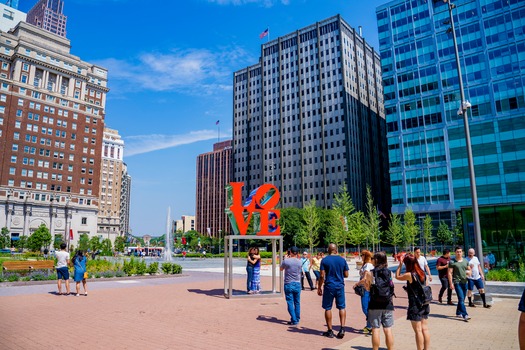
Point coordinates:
[[427, 232], [39, 239], [458, 230], [310, 232], [444, 235], [120, 244], [5, 238], [343, 207], [57, 241], [410, 228], [337, 232], [21, 243], [94, 244], [394, 234], [106, 247], [356, 229], [291, 223], [372, 221], [83, 242]]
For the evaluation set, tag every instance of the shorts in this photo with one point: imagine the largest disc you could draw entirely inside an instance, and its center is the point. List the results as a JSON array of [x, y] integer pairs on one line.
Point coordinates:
[[330, 294], [478, 283], [378, 318], [63, 273]]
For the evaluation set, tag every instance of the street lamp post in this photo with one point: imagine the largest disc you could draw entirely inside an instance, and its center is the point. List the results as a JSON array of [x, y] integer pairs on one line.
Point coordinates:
[[463, 110]]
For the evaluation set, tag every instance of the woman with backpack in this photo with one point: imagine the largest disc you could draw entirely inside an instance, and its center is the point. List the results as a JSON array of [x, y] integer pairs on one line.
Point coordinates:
[[381, 307], [418, 310], [365, 283]]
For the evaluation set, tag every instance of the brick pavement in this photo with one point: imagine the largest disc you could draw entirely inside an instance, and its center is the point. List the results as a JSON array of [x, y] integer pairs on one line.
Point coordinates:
[[189, 312]]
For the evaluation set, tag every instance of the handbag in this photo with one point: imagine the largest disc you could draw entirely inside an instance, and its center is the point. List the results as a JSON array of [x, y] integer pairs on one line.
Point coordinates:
[[359, 290], [86, 275]]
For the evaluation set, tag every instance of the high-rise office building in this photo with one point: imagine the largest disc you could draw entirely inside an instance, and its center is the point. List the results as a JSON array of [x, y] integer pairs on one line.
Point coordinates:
[[426, 137], [49, 15], [214, 170], [111, 182], [10, 3], [309, 117], [10, 17], [51, 125]]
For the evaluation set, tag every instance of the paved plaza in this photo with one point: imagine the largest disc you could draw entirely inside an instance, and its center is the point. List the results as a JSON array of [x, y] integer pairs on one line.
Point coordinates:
[[190, 312]]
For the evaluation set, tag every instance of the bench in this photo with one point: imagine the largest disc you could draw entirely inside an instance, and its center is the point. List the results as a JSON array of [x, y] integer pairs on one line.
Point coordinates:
[[27, 265]]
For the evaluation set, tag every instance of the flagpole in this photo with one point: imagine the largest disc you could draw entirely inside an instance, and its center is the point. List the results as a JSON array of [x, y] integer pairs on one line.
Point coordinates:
[[218, 130], [268, 34]]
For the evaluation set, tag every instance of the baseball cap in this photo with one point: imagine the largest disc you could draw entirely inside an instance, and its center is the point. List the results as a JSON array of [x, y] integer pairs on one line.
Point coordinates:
[[294, 250]]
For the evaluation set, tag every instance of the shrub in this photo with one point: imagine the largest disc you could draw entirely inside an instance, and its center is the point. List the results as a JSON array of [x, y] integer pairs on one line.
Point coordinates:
[[13, 277], [120, 273], [502, 275], [37, 276], [166, 268], [153, 268], [141, 267], [176, 269]]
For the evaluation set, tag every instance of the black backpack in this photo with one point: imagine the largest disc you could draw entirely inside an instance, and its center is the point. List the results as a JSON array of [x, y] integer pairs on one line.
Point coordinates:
[[382, 287]]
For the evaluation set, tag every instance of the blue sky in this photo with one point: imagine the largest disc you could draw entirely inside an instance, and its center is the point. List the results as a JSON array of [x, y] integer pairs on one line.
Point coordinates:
[[170, 66]]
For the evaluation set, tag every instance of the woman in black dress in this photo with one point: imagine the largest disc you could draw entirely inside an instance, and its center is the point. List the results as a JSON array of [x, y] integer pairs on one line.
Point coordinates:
[[417, 313]]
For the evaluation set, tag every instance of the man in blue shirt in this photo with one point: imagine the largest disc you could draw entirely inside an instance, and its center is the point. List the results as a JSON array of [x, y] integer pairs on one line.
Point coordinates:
[[292, 285], [334, 270]]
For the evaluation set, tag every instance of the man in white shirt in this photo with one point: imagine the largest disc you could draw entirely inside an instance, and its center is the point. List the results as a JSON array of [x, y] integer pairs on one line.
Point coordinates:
[[62, 270], [423, 263], [475, 279]]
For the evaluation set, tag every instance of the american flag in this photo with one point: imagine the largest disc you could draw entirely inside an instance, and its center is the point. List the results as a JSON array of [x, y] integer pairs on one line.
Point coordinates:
[[265, 33]]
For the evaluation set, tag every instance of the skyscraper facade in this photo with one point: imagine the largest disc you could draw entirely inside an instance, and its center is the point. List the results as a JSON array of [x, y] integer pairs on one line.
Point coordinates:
[[49, 15], [426, 137], [111, 181], [309, 118], [214, 171], [52, 109]]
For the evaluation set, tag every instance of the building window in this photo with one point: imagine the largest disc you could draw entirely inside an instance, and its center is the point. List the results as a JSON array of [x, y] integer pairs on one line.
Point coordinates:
[[84, 221]]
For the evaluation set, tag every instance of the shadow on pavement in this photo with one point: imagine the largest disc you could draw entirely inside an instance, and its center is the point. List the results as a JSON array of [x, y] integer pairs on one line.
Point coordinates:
[[210, 293], [271, 319]]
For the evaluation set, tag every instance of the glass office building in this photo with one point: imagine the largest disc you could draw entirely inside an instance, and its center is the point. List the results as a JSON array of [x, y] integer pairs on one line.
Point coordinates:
[[426, 138]]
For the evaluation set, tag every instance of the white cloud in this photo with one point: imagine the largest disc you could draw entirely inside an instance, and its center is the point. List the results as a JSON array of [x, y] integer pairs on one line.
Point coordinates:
[[192, 71], [149, 143]]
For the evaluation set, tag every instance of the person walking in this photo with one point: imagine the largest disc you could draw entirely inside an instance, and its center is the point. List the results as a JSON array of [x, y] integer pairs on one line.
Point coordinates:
[[79, 263], [62, 270], [334, 270], [366, 257], [458, 270], [442, 267], [381, 306], [316, 265], [475, 279], [306, 267], [292, 285], [417, 313], [423, 263]]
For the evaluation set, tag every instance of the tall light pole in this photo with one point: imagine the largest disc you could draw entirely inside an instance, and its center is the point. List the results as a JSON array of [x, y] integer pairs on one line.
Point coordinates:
[[463, 110]]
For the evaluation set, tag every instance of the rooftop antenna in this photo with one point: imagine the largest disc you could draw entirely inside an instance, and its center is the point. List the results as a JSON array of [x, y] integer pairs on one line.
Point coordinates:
[[360, 31]]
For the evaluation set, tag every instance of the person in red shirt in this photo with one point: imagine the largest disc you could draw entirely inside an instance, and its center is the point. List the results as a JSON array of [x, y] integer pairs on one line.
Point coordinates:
[[442, 267]]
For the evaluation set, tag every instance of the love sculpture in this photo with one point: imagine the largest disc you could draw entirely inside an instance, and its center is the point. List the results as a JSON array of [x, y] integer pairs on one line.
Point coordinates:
[[259, 207]]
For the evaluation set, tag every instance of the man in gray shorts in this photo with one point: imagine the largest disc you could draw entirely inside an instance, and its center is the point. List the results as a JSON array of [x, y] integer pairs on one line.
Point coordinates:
[[380, 308]]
